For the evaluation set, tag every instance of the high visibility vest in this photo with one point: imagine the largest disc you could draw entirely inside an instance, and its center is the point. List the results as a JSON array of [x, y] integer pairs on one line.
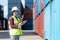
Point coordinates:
[[15, 31]]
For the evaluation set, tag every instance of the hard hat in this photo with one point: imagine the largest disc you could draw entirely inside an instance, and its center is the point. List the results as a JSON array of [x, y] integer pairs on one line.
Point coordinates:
[[14, 8]]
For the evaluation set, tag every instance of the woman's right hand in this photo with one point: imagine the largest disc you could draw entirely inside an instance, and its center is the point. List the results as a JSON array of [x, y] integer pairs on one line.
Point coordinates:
[[20, 24]]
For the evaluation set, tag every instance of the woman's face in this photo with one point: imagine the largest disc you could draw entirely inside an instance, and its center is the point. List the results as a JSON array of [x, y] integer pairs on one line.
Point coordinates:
[[15, 13]]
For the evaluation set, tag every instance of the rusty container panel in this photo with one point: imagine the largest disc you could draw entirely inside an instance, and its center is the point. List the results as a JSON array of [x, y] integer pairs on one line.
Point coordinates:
[[39, 21], [41, 24], [36, 26], [28, 13]]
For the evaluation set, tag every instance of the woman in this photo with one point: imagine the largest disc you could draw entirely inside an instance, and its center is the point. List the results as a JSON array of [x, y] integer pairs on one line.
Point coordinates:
[[15, 25]]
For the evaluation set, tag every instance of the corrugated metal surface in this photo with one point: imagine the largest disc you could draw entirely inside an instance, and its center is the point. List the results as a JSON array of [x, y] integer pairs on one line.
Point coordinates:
[[28, 25], [47, 21], [12, 4], [55, 20], [47, 24], [28, 15], [36, 26], [52, 21], [39, 21], [29, 1], [41, 24]]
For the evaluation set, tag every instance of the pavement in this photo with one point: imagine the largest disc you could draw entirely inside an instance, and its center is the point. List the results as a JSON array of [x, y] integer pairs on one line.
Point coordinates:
[[27, 35]]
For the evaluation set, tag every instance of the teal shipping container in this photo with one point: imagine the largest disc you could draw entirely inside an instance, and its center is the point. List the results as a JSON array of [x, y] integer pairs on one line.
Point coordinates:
[[52, 20]]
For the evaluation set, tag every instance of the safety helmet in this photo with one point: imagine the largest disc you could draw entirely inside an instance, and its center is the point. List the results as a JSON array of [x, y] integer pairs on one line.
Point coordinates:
[[14, 8]]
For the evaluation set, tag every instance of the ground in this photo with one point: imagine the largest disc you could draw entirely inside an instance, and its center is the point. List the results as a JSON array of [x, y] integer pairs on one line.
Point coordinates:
[[27, 35]]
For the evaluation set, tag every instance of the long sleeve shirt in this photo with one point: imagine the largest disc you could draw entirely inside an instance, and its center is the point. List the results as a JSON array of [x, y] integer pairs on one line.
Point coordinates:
[[11, 20]]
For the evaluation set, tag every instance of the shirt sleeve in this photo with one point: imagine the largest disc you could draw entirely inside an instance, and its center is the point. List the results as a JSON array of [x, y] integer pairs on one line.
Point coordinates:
[[12, 23]]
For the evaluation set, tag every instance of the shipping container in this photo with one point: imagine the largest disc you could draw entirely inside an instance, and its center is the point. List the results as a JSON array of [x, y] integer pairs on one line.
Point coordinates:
[[52, 20], [39, 17], [47, 23]]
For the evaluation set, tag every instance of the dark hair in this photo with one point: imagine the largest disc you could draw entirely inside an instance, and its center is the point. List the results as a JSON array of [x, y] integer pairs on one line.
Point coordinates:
[[13, 11]]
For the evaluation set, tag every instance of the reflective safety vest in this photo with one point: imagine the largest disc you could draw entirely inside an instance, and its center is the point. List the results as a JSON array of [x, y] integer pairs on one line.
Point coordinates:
[[15, 31]]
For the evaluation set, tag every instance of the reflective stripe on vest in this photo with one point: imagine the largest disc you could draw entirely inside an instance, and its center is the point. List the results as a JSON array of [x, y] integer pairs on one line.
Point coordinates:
[[17, 31]]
